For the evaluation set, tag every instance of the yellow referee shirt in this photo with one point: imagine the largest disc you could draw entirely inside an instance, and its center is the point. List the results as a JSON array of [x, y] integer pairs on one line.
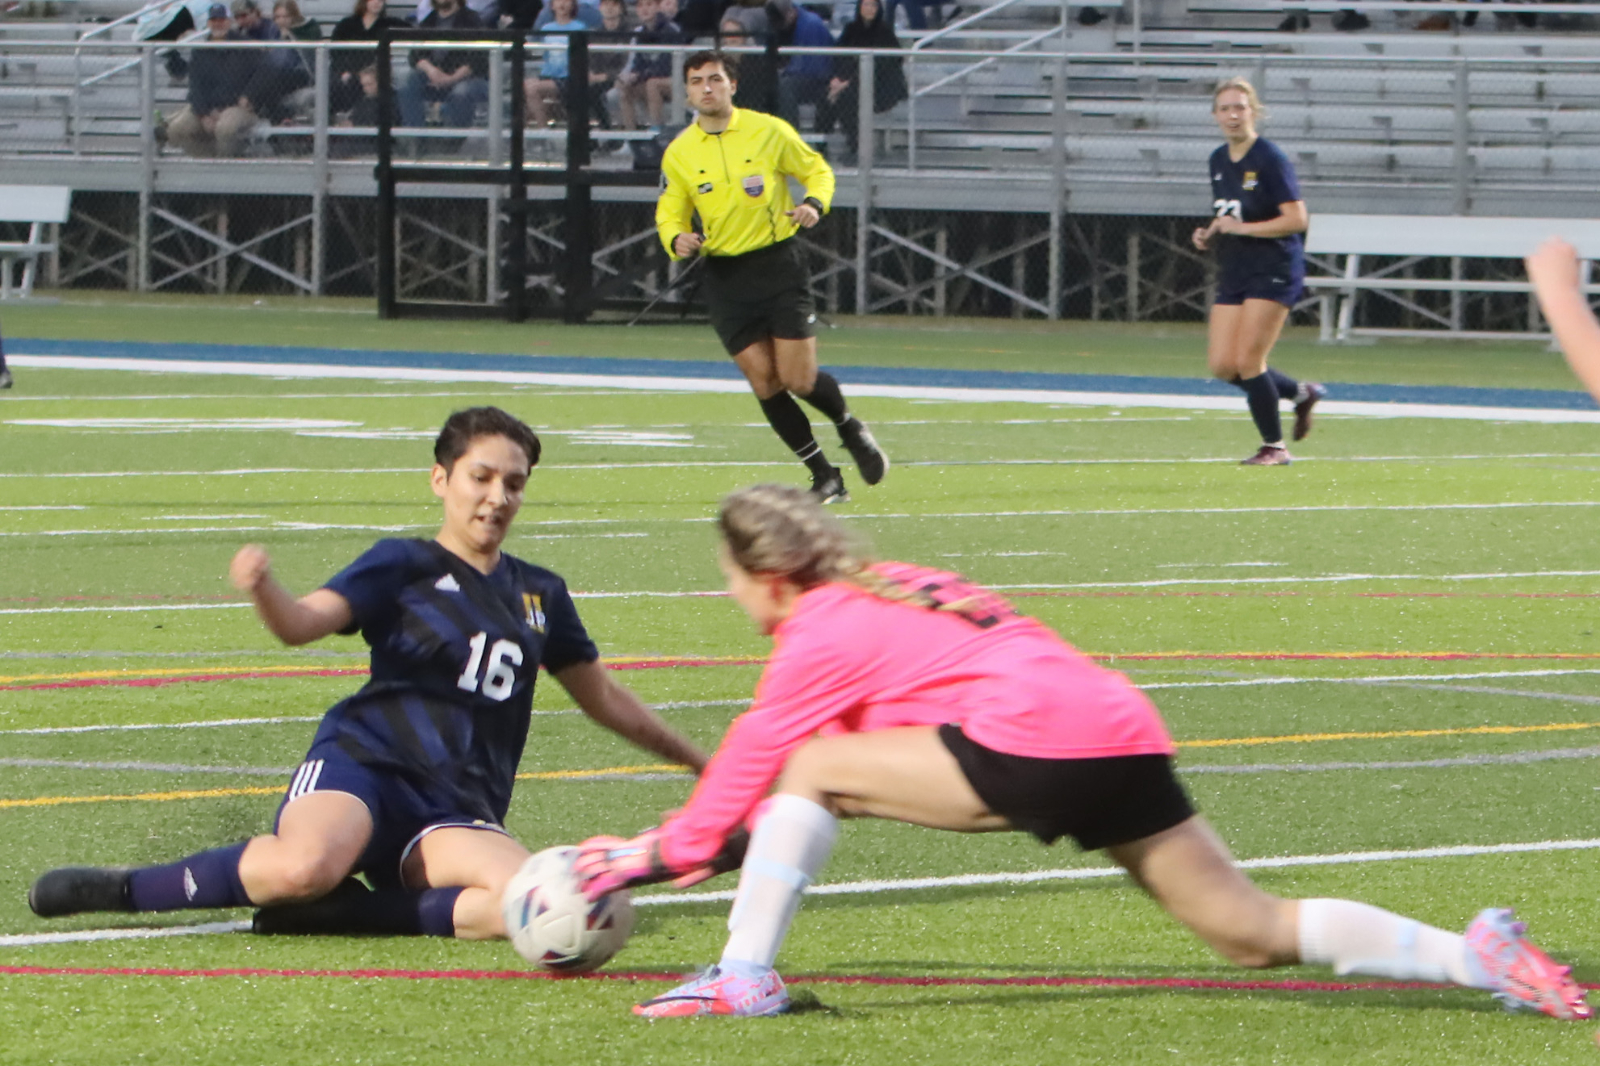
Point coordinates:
[[735, 181]]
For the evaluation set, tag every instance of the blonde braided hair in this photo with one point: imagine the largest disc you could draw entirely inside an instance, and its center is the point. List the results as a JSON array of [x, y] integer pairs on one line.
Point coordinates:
[[784, 531]]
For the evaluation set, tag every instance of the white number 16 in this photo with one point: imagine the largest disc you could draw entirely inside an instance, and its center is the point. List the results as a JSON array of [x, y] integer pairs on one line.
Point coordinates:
[[501, 676]]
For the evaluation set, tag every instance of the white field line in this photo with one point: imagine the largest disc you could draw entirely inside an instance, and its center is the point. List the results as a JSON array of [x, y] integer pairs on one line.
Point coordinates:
[[766, 463], [721, 385], [92, 935], [294, 527], [1391, 679], [668, 705], [907, 884], [720, 594], [1476, 675]]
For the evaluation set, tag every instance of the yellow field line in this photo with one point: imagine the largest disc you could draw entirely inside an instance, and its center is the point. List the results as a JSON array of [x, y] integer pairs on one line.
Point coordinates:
[[276, 790]]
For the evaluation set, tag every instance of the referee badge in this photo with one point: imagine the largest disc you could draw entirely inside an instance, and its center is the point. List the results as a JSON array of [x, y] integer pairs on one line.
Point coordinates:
[[754, 185], [705, 187]]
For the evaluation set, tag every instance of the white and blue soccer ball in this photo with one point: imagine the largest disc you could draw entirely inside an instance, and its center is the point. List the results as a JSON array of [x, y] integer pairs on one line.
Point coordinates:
[[552, 925]]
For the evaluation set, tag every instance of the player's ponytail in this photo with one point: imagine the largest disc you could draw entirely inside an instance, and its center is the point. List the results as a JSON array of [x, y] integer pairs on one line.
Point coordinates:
[[783, 530]]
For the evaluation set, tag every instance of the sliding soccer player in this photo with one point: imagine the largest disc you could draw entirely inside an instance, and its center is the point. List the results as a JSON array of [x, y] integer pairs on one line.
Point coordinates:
[[407, 781]]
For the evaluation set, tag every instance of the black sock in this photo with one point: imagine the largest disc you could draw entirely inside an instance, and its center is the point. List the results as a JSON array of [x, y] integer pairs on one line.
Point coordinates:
[[1288, 388], [207, 879], [1262, 396], [826, 397], [794, 429], [3, 350]]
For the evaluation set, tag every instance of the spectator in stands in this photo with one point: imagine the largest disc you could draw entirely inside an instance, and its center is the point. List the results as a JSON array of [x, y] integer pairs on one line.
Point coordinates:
[[647, 78], [280, 70], [606, 67], [550, 84], [294, 26], [365, 23], [843, 102], [519, 14], [804, 78], [487, 10], [365, 114], [588, 13], [700, 18], [757, 86], [220, 117], [460, 79]]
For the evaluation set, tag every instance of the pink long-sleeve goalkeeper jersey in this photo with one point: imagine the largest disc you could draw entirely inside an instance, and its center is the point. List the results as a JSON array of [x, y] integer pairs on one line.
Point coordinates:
[[848, 661]]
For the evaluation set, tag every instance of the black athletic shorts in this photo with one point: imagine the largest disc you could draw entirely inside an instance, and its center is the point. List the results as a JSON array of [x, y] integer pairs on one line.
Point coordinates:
[[761, 294], [1097, 802]]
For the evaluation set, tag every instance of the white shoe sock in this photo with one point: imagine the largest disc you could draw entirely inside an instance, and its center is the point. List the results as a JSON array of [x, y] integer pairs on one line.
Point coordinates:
[[1358, 938], [788, 847]]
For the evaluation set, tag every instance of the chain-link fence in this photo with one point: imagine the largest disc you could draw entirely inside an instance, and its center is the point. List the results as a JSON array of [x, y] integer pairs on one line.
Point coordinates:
[[1017, 181]]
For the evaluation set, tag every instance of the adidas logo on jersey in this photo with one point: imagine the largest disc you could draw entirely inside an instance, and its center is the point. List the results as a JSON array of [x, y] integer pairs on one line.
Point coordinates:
[[448, 583]]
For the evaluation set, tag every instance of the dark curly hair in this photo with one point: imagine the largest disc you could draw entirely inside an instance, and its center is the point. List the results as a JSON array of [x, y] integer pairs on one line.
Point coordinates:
[[464, 427]]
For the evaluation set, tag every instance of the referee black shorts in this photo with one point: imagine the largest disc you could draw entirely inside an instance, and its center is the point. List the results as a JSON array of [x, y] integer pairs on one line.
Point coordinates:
[[761, 294], [1099, 802]]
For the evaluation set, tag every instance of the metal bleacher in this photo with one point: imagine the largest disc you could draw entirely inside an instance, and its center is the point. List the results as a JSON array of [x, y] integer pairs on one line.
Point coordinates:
[[1017, 106]]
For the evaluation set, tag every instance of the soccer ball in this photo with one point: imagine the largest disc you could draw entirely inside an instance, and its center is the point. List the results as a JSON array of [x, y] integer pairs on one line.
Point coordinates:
[[549, 921]]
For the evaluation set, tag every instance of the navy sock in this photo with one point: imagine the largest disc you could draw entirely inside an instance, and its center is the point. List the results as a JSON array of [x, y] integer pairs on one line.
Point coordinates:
[[436, 911], [1288, 388], [826, 397], [1262, 396], [2, 353], [208, 879], [794, 429]]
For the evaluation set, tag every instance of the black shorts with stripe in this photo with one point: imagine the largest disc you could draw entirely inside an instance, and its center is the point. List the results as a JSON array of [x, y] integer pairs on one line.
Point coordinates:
[[1098, 802], [761, 294]]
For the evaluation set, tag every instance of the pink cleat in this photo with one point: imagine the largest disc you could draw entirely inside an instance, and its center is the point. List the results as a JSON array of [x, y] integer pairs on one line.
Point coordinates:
[[716, 993], [1524, 976]]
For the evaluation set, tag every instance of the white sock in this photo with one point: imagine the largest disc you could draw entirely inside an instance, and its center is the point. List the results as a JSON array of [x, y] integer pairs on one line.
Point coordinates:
[[790, 843], [1357, 938]]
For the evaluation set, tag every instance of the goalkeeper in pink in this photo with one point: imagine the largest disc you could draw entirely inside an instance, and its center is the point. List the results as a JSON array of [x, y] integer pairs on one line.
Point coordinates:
[[899, 692]]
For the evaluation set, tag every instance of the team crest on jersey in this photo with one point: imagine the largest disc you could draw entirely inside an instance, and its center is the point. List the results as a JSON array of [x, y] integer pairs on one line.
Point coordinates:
[[754, 185], [1249, 180], [535, 606], [704, 188]]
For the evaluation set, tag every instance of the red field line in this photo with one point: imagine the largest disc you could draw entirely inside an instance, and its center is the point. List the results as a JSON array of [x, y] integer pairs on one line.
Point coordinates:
[[1041, 981], [1109, 594]]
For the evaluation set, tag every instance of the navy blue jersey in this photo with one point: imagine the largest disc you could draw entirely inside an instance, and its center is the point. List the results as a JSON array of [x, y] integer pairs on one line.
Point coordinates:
[[454, 655], [1251, 190]]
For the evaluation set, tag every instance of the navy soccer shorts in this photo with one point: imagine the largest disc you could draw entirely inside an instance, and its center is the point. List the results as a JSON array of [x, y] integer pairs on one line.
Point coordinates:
[[1285, 287], [402, 811]]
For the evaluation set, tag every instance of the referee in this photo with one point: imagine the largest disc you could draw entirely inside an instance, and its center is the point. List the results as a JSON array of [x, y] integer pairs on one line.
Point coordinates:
[[731, 168]]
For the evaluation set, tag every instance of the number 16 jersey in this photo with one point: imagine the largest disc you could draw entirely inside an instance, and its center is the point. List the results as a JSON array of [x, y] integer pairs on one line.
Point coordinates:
[[454, 656]]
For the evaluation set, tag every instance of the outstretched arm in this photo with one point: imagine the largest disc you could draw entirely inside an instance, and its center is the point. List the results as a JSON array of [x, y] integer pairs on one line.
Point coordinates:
[[600, 697], [1553, 269], [293, 621]]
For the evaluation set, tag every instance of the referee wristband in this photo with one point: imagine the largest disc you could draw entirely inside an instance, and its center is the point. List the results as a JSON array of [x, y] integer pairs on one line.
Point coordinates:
[[816, 203]]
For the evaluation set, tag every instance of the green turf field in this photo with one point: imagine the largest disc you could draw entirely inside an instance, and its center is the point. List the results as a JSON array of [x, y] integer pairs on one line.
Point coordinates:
[[1390, 646]]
